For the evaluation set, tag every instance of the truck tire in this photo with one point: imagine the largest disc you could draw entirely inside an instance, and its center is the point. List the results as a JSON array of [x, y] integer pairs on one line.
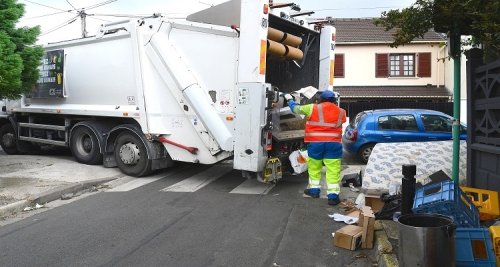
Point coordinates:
[[84, 145], [8, 140], [131, 155]]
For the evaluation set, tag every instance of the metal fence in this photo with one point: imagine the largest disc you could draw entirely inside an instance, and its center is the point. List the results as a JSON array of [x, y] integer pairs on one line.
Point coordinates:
[[354, 108], [483, 119]]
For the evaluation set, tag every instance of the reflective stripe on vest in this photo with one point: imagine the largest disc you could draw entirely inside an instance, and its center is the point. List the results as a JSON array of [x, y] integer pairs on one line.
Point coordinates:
[[324, 134], [322, 122], [323, 126]]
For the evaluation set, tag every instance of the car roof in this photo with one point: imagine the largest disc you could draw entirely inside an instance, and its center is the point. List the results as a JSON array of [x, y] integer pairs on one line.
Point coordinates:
[[402, 111]]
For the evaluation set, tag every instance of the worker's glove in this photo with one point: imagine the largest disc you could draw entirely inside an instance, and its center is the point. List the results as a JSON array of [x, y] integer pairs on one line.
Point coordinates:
[[288, 97]]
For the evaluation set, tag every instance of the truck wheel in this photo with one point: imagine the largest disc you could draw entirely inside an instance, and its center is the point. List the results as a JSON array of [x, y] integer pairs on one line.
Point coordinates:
[[8, 140], [84, 146], [365, 152], [131, 155]]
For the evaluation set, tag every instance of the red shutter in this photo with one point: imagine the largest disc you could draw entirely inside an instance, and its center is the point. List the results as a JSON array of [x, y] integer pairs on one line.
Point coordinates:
[[381, 65], [339, 66], [424, 65]]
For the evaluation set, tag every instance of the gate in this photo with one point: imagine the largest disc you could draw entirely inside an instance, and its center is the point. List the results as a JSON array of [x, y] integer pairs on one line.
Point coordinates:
[[483, 120], [354, 108]]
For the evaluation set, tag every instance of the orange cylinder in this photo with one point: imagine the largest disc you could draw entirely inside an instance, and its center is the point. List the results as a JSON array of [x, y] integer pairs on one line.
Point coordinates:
[[283, 37], [283, 51]]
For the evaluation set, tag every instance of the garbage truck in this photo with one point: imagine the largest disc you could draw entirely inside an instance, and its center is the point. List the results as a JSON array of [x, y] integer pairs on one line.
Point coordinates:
[[144, 93]]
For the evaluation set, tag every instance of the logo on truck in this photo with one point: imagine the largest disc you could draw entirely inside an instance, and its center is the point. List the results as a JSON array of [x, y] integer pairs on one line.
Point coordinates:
[[50, 82]]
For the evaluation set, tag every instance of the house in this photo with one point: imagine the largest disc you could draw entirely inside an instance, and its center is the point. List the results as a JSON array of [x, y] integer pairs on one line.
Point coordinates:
[[370, 74]]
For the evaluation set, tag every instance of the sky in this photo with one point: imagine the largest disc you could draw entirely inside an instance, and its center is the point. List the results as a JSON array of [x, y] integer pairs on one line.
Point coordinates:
[[59, 22]]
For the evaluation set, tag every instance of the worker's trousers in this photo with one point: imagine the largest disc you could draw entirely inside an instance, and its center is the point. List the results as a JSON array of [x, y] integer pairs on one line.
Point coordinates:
[[329, 154]]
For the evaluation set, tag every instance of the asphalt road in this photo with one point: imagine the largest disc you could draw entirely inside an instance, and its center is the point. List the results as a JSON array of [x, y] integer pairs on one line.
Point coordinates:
[[148, 226]]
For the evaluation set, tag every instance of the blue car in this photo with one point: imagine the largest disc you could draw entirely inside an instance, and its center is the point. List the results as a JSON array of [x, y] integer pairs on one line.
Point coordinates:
[[396, 125]]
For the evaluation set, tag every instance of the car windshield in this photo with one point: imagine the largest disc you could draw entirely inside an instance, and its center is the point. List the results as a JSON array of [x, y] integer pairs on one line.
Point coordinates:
[[358, 118]]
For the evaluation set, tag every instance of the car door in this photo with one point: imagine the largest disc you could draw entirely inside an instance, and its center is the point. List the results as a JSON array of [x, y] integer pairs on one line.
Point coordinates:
[[437, 127], [398, 128]]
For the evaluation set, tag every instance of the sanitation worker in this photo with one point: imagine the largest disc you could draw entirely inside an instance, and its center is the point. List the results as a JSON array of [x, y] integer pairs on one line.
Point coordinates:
[[323, 135]]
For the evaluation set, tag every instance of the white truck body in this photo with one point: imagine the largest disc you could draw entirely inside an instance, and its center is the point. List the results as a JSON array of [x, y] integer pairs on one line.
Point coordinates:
[[203, 91]]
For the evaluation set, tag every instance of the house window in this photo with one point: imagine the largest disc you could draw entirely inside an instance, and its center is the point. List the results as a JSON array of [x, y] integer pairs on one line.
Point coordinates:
[[402, 65], [339, 66]]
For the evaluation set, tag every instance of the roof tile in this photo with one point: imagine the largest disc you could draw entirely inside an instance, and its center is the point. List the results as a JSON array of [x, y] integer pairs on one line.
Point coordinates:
[[352, 30], [392, 91]]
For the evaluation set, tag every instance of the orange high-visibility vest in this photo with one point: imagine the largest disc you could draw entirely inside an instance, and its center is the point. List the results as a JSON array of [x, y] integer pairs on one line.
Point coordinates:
[[325, 123]]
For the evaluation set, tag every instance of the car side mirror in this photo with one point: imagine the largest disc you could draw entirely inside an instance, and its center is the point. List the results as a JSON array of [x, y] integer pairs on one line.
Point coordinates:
[[463, 129]]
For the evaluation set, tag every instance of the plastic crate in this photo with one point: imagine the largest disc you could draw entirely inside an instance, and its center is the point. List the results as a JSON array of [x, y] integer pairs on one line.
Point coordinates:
[[485, 200], [495, 238], [473, 248], [447, 199]]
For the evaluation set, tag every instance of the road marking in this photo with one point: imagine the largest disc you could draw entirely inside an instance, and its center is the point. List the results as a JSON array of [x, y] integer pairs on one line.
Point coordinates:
[[135, 183], [200, 180], [253, 187]]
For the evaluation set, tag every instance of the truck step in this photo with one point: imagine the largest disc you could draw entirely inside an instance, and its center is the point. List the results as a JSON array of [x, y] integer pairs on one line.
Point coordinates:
[[43, 141], [42, 126], [288, 135]]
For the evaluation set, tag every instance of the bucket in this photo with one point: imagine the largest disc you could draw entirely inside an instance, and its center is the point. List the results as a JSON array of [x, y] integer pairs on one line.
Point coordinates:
[[426, 240]]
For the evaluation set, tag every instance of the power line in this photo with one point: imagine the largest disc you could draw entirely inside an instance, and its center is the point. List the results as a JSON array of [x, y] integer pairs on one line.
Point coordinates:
[[123, 15], [47, 6], [330, 9], [105, 20], [46, 15], [73, 19], [70, 4], [100, 4]]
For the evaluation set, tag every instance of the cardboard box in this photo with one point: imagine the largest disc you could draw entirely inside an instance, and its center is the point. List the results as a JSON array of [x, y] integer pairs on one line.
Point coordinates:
[[374, 202], [367, 223], [348, 237], [354, 214]]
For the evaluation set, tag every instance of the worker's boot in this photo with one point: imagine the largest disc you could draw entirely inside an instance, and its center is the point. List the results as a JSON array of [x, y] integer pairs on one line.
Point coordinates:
[[312, 192], [333, 199]]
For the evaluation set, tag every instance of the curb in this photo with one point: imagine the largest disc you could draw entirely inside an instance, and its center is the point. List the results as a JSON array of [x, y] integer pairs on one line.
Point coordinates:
[[385, 253], [13, 208], [51, 195]]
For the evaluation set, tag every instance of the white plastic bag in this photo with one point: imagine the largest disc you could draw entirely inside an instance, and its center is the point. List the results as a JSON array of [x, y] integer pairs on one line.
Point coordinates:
[[298, 160]]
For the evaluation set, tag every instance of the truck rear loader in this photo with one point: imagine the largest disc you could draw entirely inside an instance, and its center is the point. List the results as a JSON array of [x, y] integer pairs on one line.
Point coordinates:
[[145, 93]]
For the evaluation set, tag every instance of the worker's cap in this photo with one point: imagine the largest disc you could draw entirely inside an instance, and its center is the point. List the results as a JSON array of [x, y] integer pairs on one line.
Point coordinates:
[[328, 95]]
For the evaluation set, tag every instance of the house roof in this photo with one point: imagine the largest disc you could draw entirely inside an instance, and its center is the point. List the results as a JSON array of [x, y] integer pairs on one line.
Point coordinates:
[[392, 92], [362, 30]]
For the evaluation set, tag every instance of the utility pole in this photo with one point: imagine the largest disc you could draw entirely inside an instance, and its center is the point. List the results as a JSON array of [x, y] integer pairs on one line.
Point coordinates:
[[455, 49], [83, 17]]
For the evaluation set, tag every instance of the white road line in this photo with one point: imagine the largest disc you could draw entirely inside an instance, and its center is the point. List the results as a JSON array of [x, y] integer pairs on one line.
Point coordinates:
[[253, 187], [199, 180], [135, 183]]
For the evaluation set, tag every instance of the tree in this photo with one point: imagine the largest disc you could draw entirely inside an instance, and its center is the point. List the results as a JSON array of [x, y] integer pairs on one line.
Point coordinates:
[[478, 18], [19, 56]]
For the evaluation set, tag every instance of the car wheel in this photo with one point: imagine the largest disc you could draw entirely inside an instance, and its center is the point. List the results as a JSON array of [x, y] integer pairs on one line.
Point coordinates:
[[84, 145], [131, 155], [365, 152], [8, 140]]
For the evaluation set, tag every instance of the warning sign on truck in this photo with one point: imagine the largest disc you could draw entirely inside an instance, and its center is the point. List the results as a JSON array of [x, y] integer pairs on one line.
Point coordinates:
[[50, 82]]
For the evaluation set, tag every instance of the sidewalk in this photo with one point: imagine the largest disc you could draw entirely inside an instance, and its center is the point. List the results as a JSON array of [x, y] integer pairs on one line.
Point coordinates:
[[27, 180]]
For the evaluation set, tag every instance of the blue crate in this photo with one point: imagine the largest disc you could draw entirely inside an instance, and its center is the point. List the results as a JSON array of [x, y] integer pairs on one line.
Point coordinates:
[[473, 247], [447, 199]]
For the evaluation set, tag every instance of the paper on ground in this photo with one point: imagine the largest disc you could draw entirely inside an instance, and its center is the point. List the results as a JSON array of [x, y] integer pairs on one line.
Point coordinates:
[[342, 218]]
